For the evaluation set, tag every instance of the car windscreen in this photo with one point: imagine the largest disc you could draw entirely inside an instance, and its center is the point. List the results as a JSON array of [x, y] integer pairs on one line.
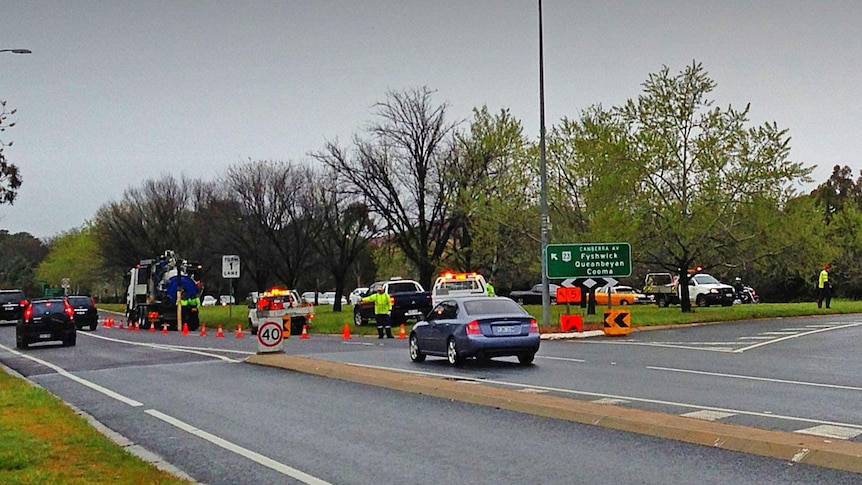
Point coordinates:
[[405, 287], [11, 297], [49, 306], [493, 306], [80, 301], [705, 279]]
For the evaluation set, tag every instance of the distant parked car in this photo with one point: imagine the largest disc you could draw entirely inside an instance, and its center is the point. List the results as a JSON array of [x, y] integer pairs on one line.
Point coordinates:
[[225, 300], [328, 298], [47, 319], [477, 326], [12, 303], [86, 314], [308, 297], [533, 296], [357, 294], [621, 295], [209, 300]]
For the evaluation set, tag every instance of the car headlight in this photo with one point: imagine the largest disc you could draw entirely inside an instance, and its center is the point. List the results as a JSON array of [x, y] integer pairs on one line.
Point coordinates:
[[713, 290]]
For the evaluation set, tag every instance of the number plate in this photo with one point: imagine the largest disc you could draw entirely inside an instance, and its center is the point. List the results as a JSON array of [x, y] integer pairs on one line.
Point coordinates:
[[507, 330], [9, 307], [80, 312], [44, 335], [413, 312]]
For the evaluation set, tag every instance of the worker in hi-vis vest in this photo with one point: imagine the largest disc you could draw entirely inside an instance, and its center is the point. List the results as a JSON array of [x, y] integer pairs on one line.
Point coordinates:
[[382, 307]]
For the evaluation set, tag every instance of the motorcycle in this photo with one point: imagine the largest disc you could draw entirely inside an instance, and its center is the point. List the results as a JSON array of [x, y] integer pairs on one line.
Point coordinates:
[[744, 294]]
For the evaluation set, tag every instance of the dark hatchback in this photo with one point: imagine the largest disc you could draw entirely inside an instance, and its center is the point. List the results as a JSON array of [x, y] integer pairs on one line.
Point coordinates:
[[45, 320], [86, 314], [12, 303]]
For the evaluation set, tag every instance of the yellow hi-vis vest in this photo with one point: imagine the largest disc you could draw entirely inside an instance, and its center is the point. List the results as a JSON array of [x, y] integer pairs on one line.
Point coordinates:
[[382, 305]]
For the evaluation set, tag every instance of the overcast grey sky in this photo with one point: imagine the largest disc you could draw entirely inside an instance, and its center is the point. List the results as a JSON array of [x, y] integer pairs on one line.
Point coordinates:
[[117, 92]]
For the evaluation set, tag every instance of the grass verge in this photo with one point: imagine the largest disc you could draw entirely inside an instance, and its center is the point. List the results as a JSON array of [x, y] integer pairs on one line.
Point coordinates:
[[43, 441]]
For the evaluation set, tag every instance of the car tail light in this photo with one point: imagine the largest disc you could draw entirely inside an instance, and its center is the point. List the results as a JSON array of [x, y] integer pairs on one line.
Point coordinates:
[[152, 315], [391, 300], [28, 312], [24, 303], [310, 316], [68, 309], [473, 328], [534, 326]]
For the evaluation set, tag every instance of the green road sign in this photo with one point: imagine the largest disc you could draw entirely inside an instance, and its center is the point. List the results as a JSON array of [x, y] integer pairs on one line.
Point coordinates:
[[591, 259]]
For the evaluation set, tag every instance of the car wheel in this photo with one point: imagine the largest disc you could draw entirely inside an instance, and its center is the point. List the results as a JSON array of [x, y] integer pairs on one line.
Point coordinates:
[[661, 302], [357, 318], [701, 301], [452, 353], [416, 355], [94, 326], [526, 359], [22, 344], [69, 342], [252, 328], [624, 302]]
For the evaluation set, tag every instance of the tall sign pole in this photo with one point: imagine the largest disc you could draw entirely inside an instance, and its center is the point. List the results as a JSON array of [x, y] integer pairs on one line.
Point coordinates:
[[546, 296]]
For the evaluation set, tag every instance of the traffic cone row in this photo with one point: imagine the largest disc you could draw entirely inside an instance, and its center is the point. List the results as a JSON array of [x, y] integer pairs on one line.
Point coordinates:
[[136, 327]]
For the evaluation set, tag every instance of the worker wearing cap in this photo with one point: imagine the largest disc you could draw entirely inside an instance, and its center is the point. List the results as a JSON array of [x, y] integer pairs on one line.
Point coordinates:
[[382, 307]]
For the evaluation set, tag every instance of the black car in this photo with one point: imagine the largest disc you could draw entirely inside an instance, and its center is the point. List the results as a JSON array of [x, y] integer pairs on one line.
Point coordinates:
[[12, 303], [47, 319], [86, 314], [533, 296]]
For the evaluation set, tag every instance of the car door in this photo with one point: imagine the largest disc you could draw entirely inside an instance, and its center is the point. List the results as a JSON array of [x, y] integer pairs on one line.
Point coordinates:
[[440, 325]]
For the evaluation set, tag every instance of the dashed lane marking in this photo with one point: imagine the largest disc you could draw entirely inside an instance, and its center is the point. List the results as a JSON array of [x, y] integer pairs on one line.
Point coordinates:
[[706, 415], [829, 431], [754, 378]]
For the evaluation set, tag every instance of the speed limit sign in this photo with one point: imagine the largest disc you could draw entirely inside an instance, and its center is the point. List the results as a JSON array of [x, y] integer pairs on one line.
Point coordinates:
[[269, 337]]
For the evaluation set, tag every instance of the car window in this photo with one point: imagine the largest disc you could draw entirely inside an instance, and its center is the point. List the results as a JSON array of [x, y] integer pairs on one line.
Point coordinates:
[[11, 296], [80, 300], [402, 287], [492, 306], [444, 311], [47, 306]]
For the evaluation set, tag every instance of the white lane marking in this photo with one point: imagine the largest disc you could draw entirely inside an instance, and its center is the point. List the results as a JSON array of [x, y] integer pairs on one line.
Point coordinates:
[[820, 326], [615, 396], [658, 344], [756, 338], [369, 344], [778, 333], [529, 390], [606, 400], [176, 348], [761, 344], [84, 382], [827, 431], [753, 378], [567, 359], [251, 455], [707, 415]]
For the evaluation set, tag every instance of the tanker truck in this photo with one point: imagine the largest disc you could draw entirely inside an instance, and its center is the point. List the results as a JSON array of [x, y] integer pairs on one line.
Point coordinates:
[[154, 288]]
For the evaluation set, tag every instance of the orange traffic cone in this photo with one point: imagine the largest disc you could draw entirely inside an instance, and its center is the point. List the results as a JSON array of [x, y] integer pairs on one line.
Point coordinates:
[[203, 330], [304, 332], [120, 326], [346, 334], [220, 332], [152, 327], [402, 334], [165, 328], [137, 327], [239, 331], [185, 328]]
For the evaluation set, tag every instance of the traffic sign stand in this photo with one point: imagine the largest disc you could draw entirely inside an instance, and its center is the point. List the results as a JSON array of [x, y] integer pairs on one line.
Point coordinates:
[[269, 337]]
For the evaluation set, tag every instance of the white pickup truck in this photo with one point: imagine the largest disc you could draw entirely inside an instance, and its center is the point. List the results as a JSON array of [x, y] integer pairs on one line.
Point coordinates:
[[458, 284], [703, 290], [282, 305]]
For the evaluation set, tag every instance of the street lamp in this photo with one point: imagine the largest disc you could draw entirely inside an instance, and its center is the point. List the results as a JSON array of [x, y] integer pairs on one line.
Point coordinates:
[[546, 297], [17, 51]]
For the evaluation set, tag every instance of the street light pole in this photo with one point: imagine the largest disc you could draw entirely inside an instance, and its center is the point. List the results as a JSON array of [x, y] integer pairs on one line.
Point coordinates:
[[546, 295], [17, 51]]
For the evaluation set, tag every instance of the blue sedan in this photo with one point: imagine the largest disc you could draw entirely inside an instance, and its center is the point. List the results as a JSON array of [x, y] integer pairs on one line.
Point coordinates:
[[479, 326]]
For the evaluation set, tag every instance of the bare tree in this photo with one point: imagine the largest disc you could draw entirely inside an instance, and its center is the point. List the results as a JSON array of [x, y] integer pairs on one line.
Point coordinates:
[[347, 230], [149, 220], [400, 171], [275, 197], [10, 178]]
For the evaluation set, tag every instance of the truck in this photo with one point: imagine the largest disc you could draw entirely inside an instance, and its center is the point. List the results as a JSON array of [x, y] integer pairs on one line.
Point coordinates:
[[458, 284], [279, 304], [703, 290], [409, 301], [153, 287]]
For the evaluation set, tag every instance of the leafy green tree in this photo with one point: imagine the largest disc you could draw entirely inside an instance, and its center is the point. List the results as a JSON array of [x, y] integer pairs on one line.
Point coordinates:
[[691, 182], [838, 192], [20, 254], [74, 254], [494, 207]]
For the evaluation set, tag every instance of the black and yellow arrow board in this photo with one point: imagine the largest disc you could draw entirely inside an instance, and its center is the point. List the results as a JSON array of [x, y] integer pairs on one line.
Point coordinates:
[[617, 322]]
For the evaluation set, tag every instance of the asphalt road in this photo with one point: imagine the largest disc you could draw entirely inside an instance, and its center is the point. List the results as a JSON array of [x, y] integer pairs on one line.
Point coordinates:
[[192, 401]]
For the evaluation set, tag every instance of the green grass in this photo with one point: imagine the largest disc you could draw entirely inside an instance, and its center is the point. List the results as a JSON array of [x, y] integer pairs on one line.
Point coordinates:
[[42, 441], [328, 322]]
